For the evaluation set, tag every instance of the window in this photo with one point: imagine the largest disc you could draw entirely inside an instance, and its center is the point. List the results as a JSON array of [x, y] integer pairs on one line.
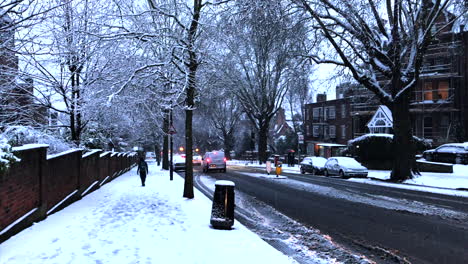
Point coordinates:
[[343, 111], [332, 131], [316, 131], [306, 112], [325, 131], [325, 113], [427, 91], [443, 90], [331, 112], [316, 113], [343, 131], [308, 130]]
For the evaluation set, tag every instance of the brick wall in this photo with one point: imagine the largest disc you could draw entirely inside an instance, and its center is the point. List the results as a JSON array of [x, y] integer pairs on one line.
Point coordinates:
[[20, 186], [63, 177], [38, 182], [89, 170], [104, 160]]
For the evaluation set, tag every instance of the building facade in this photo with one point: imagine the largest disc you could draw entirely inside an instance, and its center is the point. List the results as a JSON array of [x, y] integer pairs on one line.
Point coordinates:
[[17, 104], [439, 103], [327, 122]]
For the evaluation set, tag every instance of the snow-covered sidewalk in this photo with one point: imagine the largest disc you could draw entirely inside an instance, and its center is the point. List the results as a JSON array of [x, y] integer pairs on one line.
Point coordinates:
[[125, 223]]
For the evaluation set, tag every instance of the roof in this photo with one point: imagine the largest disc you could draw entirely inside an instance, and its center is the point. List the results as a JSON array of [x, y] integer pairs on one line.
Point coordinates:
[[382, 118]]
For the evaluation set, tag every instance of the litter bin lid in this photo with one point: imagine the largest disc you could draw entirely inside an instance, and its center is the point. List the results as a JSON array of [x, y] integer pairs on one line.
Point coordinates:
[[225, 183]]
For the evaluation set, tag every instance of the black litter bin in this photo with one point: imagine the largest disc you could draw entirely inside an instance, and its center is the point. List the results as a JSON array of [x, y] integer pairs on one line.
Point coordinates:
[[222, 212]]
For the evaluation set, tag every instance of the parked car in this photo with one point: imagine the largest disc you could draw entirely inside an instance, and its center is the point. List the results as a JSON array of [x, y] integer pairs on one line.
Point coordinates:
[[449, 153], [178, 163], [214, 160], [197, 160], [345, 167], [150, 156], [314, 165]]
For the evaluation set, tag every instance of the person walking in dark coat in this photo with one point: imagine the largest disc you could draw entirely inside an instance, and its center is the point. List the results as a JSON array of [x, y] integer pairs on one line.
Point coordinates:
[[142, 170]]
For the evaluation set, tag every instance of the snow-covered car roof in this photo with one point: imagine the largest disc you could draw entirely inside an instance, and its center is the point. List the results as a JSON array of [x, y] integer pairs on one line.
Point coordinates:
[[347, 162], [458, 145], [317, 161]]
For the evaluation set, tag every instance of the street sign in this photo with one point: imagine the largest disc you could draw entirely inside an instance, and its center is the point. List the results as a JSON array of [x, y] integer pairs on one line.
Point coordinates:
[[172, 130], [301, 139]]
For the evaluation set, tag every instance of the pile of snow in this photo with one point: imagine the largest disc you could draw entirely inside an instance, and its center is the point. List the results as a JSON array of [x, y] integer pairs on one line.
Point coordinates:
[[23, 135], [6, 156]]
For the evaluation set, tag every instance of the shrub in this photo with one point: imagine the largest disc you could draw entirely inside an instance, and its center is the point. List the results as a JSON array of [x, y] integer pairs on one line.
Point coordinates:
[[378, 147], [6, 155], [22, 135]]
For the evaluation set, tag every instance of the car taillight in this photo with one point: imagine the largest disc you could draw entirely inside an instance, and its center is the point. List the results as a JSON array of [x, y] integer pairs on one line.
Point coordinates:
[[208, 160], [225, 159]]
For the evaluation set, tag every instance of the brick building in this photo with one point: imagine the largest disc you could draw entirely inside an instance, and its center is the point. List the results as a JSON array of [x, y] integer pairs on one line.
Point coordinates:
[[439, 104], [327, 122], [17, 105]]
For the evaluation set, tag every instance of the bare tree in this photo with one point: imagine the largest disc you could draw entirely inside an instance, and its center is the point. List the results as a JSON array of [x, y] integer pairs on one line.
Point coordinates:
[[17, 18], [382, 44], [261, 39], [298, 94], [175, 34]]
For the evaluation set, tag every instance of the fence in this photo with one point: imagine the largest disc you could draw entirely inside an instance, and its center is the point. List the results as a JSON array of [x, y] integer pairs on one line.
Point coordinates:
[[40, 185]]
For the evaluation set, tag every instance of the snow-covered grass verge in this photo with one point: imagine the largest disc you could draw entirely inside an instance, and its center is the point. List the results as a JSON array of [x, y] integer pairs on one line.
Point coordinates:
[[123, 222], [443, 183], [456, 180]]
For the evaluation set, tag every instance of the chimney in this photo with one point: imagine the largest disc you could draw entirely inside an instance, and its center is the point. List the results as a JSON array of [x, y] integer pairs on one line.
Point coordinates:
[[321, 97]]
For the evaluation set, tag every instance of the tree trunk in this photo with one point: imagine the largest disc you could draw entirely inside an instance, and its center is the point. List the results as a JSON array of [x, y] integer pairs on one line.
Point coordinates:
[[188, 184], [165, 158], [192, 72], [402, 141], [72, 110], [263, 142], [157, 151], [228, 145], [79, 124]]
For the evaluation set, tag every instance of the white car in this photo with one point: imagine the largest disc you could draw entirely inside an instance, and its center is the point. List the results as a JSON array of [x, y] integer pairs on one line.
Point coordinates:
[[150, 156], [197, 160], [178, 162], [345, 167]]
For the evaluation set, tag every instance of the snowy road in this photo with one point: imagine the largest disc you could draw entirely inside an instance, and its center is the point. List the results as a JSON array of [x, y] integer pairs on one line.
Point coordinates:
[[375, 220]]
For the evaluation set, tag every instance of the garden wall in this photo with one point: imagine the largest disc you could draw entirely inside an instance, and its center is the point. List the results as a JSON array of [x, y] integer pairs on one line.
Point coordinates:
[[40, 185]]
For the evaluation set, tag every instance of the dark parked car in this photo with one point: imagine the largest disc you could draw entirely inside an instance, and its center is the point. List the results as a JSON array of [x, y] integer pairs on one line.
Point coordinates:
[[345, 167], [314, 165], [448, 153]]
